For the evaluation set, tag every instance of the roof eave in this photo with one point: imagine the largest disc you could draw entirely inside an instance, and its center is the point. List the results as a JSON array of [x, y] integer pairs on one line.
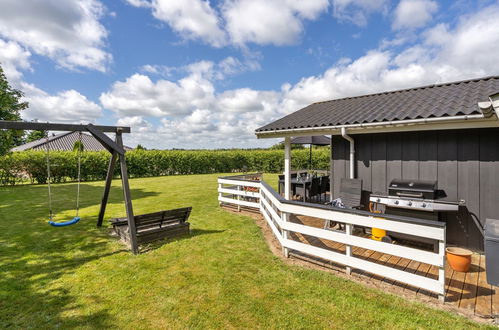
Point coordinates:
[[437, 123]]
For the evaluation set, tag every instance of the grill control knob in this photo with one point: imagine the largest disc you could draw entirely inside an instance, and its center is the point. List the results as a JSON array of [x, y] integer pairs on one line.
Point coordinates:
[[409, 204], [396, 202], [424, 205], [378, 200]]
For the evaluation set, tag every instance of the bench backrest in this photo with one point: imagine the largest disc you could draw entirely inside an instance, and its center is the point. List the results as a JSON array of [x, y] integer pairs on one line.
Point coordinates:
[[162, 217]]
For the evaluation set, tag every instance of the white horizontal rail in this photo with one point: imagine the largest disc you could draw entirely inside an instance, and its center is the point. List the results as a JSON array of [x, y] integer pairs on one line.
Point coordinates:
[[366, 243], [371, 267], [436, 233], [255, 184], [272, 212], [246, 193], [270, 206], [239, 202], [276, 231]]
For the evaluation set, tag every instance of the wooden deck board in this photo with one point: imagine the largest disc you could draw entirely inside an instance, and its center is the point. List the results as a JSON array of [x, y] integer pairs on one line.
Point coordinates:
[[495, 302], [484, 293], [412, 267], [470, 287], [397, 263], [431, 273]]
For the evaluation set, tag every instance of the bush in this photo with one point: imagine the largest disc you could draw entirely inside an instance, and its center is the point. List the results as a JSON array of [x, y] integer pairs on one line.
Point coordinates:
[[31, 165]]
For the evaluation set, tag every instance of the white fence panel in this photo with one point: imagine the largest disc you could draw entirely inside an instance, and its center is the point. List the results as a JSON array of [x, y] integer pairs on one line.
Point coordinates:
[[270, 207]]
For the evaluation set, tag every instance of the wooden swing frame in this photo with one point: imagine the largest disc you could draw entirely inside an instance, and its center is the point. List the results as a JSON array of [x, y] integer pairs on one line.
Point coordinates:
[[114, 147]]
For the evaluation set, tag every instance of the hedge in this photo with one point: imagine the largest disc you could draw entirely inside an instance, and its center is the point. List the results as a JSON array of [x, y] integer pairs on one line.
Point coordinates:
[[30, 166]]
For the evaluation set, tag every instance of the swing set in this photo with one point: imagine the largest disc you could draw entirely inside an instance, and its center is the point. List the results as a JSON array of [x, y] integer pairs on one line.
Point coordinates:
[[151, 226], [51, 213]]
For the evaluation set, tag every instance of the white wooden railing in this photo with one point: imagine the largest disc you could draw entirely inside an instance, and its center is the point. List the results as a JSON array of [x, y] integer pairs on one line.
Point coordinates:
[[240, 191]]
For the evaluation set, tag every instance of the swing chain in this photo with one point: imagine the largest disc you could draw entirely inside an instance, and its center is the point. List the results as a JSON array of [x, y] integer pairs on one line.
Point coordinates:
[[80, 147], [48, 174], [49, 178]]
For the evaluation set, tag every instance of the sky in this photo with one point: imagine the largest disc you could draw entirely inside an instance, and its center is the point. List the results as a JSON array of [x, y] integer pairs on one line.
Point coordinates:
[[205, 74]]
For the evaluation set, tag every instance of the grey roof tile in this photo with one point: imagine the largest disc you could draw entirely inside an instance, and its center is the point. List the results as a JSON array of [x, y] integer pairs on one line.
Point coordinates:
[[64, 142], [448, 99]]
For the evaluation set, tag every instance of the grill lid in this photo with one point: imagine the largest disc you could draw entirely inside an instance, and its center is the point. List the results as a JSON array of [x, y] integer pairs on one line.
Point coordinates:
[[413, 185]]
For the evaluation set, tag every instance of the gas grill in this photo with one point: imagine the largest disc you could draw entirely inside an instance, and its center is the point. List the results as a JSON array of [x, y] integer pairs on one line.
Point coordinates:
[[416, 199], [417, 195]]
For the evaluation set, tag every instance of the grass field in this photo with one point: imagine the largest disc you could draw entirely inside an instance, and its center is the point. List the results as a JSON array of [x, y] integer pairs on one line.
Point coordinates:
[[223, 275]]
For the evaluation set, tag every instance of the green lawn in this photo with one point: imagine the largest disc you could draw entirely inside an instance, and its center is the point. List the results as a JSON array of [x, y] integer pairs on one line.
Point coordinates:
[[223, 275]]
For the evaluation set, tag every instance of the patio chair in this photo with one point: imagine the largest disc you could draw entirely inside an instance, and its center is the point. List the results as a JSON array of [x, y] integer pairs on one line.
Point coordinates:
[[315, 187], [281, 183], [310, 190], [350, 195], [324, 188]]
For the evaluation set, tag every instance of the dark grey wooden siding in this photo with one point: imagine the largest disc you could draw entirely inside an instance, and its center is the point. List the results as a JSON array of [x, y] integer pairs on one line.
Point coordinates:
[[465, 163]]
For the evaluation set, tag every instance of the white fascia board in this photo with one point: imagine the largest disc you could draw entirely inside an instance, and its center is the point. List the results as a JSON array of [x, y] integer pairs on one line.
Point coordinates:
[[391, 128]]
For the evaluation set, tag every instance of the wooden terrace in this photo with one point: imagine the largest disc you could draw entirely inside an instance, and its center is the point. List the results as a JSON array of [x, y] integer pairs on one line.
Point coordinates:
[[468, 292]]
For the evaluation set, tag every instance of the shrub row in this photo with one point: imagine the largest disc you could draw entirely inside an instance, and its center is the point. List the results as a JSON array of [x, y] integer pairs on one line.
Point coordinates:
[[31, 166]]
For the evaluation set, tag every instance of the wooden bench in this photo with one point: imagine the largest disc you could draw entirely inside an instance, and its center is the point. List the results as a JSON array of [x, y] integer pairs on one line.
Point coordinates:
[[154, 226]]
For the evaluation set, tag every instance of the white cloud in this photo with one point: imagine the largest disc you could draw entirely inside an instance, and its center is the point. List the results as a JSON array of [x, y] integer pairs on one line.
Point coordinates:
[[192, 19], [65, 106], [277, 22], [138, 94], [470, 50], [357, 11], [13, 58], [214, 119], [413, 14], [68, 32], [139, 124]]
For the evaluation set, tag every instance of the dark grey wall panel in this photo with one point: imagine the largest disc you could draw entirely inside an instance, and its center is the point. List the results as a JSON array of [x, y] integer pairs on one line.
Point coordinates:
[[468, 172], [410, 156], [363, 157], [338, 166], [489, 175], [393, 156], [378, 168], [465, 163], [447, 164], [428, 151]]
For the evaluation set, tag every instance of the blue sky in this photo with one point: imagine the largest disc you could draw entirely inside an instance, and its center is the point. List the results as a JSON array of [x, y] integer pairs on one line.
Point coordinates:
[[205, 74]]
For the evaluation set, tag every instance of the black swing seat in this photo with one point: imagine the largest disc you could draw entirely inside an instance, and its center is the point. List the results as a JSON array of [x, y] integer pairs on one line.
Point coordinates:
[[154, 226]]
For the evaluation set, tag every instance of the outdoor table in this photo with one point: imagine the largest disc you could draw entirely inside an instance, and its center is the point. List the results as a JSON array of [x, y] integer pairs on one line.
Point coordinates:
[[299, 181]]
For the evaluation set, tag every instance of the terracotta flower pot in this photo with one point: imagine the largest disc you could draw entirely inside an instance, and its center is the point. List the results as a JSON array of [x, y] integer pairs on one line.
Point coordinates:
[[459, 259]]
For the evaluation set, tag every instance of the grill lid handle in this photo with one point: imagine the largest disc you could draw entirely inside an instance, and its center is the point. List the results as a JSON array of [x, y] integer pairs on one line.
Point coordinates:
[[406, 194]]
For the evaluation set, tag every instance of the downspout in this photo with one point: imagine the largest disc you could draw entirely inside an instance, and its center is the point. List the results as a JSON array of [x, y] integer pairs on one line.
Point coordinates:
[[352, 151]]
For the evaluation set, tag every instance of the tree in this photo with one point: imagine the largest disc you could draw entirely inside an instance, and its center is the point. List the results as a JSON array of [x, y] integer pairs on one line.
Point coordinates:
[[10, 109], [35, 135], [140, 147]]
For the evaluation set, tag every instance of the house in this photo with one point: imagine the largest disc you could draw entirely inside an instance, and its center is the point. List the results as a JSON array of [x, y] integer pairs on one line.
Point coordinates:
[[64, 142], [448, 133]]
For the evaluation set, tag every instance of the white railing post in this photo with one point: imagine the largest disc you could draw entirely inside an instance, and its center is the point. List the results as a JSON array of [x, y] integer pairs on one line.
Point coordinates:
[[219, 194], [285, 218], [287, 168], [348, 248], [441, 270], [238, 198]]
